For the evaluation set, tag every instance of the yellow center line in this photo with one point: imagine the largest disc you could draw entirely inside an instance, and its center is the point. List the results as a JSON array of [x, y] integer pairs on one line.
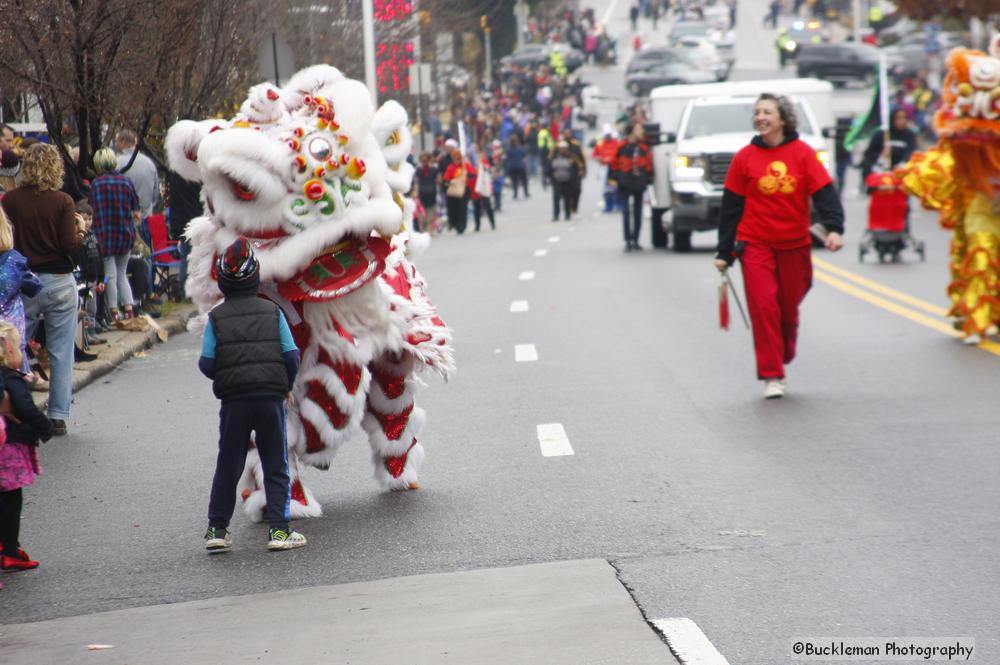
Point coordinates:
[[880, 288], [943, 327]]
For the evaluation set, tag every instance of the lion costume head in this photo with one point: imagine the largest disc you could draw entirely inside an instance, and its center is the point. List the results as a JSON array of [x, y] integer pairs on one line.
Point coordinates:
[[969, 118]]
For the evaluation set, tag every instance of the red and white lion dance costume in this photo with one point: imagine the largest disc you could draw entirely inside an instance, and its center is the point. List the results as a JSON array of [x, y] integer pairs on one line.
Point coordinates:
[[315, 177]]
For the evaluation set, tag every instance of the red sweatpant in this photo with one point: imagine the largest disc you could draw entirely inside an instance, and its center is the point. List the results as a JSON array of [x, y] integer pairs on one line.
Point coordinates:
[[776, 281]]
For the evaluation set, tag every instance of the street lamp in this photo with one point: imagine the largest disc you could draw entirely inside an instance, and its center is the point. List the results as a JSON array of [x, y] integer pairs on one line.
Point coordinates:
[[484, 23], [368, 14]]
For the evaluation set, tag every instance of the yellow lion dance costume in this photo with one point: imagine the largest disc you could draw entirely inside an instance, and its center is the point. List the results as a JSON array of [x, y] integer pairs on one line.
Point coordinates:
[[960, 178]]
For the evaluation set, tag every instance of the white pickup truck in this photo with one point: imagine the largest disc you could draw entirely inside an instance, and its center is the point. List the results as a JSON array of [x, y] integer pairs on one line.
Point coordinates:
[[702, 127]]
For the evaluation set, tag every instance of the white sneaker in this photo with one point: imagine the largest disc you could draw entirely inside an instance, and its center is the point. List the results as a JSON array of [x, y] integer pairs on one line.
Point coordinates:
[[218, 540], [773, 389], [972, 340], [285, 540]]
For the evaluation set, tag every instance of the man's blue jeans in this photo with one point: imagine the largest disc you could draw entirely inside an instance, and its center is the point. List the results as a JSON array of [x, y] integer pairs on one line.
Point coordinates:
[[57, 302]]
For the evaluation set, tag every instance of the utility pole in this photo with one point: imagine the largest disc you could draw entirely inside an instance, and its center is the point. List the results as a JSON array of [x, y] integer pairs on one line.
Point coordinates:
[[368, 14], [856, 20], [484, 23]]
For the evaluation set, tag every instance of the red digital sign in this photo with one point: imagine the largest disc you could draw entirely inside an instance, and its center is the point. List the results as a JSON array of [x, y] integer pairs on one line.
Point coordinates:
[[393, 59], [392, 10]]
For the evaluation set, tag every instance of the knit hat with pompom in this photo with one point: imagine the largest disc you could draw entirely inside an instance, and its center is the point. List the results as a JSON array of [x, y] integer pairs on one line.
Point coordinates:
[[238, 269]]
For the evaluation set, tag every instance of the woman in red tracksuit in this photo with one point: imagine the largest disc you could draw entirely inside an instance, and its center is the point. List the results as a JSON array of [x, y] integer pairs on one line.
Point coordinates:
[[764, 222]]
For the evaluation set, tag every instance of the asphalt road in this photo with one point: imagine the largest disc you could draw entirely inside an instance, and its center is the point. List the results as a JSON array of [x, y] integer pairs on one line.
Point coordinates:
[[863, 504]]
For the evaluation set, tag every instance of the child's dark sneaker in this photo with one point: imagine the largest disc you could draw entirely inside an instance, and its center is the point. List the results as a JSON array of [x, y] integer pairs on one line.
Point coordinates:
[[279, 539], [20, 562], [218, 540]]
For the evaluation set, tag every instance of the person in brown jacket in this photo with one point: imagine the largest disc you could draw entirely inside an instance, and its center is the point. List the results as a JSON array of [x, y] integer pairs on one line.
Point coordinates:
[[48, 232]]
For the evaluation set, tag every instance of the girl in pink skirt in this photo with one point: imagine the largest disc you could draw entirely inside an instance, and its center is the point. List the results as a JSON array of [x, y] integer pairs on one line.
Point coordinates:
[[25, 426]]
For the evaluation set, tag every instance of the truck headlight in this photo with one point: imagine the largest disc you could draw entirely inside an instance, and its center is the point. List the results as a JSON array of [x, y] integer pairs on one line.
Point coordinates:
[[790, 45], [688, 168]]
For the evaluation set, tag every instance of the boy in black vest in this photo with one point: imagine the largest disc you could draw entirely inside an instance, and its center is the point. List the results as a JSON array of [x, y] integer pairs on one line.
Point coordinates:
[[249, 354]]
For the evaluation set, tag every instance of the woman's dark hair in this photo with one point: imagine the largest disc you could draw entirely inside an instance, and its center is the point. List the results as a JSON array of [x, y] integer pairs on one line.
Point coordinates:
[[785, 109]]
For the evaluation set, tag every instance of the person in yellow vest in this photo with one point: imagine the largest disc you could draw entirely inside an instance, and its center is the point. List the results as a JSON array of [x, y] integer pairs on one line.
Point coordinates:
[[557, 63], [546, 146], [875, 17]]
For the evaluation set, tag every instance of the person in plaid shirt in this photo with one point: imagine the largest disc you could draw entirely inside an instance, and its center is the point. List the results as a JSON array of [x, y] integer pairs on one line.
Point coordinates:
[[116, 212]]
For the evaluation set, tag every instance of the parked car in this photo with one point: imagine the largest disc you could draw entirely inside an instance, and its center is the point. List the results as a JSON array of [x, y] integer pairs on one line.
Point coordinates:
[[688, 29], [897, 27], [909, 56], [717, 16], [652, 56], [533, 55], [641, 83], [703, 52], [839, 63]]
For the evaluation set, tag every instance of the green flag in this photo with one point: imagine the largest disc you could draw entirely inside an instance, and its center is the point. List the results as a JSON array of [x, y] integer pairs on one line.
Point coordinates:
[[864, 128]]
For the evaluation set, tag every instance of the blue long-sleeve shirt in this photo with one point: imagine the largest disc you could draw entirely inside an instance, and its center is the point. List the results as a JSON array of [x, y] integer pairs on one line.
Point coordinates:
[[289, 351]]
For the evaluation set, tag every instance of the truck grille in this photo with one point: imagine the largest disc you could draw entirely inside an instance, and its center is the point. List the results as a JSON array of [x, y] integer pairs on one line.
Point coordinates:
[[718, 166]]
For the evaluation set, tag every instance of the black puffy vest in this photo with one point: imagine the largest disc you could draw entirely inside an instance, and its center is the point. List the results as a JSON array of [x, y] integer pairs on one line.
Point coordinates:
[[248, 360]]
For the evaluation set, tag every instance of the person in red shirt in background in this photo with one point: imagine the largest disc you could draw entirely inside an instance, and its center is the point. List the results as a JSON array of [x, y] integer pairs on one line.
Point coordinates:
[[604, 152], [632, 170], [764, 221], [455, 181], [481, 193]]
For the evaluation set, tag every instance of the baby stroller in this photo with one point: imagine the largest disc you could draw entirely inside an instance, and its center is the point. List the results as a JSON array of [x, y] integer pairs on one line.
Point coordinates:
[[887, 234]]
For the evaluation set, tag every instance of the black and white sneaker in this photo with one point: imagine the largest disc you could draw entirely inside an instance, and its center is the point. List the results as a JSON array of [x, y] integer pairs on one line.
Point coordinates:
[[279, 539], [218, 540]]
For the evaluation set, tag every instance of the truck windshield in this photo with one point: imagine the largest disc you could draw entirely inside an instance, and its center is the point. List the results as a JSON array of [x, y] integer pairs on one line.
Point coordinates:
[[732, 119]]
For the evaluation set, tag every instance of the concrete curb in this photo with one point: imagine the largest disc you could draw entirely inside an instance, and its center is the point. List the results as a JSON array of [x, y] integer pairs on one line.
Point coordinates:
[[121, 346]]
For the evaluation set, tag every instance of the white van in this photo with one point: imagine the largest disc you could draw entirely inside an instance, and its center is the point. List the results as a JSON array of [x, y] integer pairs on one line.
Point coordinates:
[[705, 126]]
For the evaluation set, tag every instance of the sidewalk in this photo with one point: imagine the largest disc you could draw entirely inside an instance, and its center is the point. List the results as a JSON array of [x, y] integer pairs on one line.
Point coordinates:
[[566, 613], [121, 346]]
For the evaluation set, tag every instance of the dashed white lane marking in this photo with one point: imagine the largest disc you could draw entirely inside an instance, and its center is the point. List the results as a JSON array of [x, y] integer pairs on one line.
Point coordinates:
[[519, 306], [541, 252], [608, 12], [527, 275], [688, 643], [552, 440], [554, 239], [525, 353]]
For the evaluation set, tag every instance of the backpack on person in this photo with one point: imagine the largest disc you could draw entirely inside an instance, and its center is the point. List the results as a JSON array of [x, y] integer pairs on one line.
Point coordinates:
[[456, 186], [484, 181]]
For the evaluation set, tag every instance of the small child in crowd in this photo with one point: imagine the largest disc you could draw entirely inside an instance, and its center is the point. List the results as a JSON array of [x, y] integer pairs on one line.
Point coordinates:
[[250, 355], [15, 279], [25, 426]]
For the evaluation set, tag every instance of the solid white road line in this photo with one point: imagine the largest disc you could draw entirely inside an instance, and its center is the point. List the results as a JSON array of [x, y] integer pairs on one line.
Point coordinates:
[[554, 239], [552, 440], [541, 252], [527, 275], [688, 643], [525, 353], [519, 306]]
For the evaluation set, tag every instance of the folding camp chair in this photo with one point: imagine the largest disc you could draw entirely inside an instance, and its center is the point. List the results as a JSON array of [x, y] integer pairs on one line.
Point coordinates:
[[165, 258]]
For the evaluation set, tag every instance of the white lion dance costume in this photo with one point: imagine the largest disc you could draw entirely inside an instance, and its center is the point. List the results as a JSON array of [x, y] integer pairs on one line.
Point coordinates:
[[314, 177]]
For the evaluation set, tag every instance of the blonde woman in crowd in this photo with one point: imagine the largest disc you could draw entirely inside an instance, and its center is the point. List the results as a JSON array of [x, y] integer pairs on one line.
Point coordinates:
[[48, 232]]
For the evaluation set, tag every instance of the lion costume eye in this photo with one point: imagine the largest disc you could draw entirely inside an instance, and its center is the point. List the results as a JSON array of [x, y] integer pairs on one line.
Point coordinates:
[[320, 149]]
